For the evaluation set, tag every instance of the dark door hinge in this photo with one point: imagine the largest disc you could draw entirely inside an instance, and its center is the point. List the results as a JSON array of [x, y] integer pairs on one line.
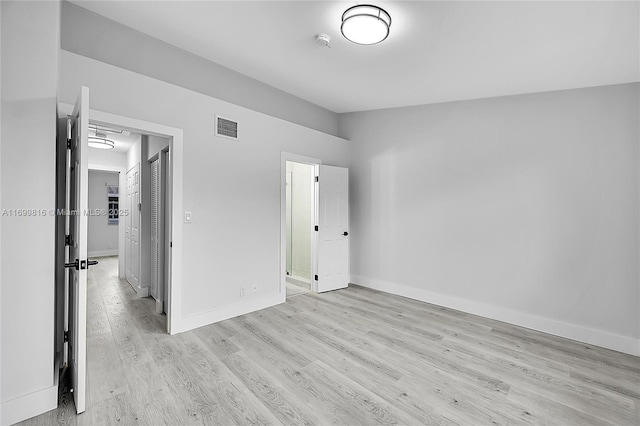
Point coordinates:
[[66, 336], [68, 240], [315, 227], [69, 126], [315, 277], [317, 178]]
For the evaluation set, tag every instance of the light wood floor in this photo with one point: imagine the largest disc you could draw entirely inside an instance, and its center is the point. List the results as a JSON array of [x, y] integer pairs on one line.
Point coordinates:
[[348, 357]]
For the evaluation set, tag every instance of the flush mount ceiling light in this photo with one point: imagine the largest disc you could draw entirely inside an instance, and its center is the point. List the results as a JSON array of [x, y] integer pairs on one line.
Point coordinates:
[[365, 24], [100, 141]]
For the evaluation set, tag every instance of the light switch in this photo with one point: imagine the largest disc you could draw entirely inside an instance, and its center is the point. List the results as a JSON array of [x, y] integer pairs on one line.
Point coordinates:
[[188, 217]]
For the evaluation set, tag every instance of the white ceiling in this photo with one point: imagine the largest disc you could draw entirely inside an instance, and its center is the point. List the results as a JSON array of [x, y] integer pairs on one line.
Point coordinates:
[[437, 51], [123, 139]]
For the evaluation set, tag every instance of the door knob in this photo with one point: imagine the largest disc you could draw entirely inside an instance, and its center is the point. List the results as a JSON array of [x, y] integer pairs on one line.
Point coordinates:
[[345, 233], [81, 264]]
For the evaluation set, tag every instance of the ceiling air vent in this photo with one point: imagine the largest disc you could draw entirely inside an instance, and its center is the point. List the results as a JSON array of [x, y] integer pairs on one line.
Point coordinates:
[[226, 128]]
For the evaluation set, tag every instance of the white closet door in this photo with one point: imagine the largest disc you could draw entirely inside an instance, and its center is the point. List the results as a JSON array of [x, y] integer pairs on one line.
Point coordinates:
[[155, 230]]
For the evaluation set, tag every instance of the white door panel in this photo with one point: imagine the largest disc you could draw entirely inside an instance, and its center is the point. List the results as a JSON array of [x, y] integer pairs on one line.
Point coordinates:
[[333, 228], [132, 247], [78, 177]]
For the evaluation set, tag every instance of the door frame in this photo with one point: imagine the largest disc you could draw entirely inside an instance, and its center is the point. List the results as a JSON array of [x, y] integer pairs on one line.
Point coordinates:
[[174, 295], [315, 162]]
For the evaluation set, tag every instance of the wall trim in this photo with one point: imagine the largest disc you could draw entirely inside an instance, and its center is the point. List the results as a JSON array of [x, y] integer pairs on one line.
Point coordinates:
[[30, 405], [103, 253], [580, 333], [300, 275], [210, 317], [140, 291]]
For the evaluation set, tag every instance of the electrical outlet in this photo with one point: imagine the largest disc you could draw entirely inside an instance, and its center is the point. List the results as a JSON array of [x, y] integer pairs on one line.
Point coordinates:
[[243, 291], [254, 288]]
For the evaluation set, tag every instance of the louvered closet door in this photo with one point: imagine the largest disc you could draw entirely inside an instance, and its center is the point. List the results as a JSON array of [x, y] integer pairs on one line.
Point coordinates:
[[155, 229]]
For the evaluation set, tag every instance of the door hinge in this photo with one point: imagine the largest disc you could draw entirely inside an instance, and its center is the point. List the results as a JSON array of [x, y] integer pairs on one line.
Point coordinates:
[[315, 277], [315, 227], [317, 178], [68, 240], [140, 207], [66, 336], [69, 125]]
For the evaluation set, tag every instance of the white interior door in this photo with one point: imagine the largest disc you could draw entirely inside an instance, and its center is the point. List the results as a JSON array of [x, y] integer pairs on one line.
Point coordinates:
[[127, 231], [132, 248], [333, 228], [76, 260]]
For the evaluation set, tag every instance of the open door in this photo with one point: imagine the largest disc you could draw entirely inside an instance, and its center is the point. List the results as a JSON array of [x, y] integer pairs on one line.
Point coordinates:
[[333, 228], [76, 260]]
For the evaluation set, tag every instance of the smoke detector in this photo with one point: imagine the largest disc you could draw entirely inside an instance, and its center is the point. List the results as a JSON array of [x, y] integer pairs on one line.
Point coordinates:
[[323, 40]]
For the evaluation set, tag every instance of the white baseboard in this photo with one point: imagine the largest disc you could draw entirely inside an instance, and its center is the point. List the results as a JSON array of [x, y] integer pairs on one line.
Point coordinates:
[[591, 336], [140, 291], [301, 275], [101, 253], [206, 318], [30, 405]]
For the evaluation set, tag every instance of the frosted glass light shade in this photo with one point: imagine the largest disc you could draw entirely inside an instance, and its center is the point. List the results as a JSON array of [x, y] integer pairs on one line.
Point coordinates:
[[365, 24], [100, 141]]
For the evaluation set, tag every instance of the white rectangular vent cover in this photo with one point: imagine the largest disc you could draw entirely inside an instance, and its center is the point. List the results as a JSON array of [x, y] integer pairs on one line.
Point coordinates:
[[226, 128]]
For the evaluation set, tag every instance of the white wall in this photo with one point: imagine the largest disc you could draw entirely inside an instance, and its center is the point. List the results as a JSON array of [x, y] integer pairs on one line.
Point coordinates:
[[108, 160], [232, 187], [102, 237], [155, 145], [134, 154], [521, 208], [30, 42], [301, 218]]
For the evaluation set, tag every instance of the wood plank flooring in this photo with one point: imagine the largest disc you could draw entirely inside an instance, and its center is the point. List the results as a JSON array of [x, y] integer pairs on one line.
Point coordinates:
[[349, 357]]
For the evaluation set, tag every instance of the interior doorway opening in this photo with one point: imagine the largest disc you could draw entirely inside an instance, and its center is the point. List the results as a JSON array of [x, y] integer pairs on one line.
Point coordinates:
[[329, 227], [104, 213], [142, 158], [300, 221]]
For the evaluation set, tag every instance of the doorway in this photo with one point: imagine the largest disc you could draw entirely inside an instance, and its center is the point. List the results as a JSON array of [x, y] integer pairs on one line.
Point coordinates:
[[103, 226], [300, 220], [327, 237], [160, 142]]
